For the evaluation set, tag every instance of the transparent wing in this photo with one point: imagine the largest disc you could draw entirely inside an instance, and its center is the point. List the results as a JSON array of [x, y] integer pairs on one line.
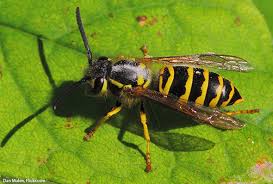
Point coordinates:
[[226, 62], [201, 114]]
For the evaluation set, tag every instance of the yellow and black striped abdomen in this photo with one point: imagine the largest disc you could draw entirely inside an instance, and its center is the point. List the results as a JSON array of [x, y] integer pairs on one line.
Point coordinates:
[[198, 85]]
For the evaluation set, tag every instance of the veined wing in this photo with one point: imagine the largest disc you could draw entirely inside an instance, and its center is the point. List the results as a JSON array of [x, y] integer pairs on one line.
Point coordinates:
[[202, 114], [226, 62]]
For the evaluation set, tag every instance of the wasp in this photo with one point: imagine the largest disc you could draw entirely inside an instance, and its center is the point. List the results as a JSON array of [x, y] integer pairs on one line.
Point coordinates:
[[183, 83]]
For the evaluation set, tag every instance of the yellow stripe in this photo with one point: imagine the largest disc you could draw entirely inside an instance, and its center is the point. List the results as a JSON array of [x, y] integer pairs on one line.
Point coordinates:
[[238, 101], [143, 117], [143, 66], [113, 112], [188, 85], [200, 100], [104, 87], [140, 80], [161, 79], [169, 81], [215, 100], [229, 97], [116, 83], [128, 86], [147, 83]]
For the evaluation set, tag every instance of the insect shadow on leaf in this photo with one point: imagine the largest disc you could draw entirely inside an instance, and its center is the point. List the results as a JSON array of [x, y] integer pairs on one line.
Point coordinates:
[[44, 63]]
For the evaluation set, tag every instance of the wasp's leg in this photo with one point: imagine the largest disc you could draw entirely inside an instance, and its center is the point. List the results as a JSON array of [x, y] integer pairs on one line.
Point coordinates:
[[114, 111], [144, 50], [251, 111], [143, 120]]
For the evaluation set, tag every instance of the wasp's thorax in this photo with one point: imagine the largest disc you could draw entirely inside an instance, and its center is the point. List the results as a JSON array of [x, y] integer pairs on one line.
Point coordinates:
[[127, 73]]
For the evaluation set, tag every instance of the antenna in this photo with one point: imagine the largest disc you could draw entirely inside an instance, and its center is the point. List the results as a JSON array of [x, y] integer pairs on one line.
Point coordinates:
[[84, 38]]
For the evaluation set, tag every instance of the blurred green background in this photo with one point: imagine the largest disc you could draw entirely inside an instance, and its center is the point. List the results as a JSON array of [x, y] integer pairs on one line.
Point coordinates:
[[41, 53]]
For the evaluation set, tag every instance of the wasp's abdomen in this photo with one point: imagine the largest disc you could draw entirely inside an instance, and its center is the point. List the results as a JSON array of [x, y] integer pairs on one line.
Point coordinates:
[[128, 74], [198, 85]]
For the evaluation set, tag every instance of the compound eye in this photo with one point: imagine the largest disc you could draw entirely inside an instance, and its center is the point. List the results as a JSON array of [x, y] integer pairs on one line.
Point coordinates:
[[98, 84]]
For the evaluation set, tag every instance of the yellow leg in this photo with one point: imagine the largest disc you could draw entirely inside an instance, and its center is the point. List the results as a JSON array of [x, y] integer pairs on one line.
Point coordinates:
[[114, 111], [252, 111], [143, 120]]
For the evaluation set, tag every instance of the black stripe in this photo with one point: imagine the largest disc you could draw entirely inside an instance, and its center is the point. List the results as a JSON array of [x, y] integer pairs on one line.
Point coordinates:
[[212, 88], [142, 107], [225, 92], [235, 97], [198, 80], [165, 76], [180, 78]]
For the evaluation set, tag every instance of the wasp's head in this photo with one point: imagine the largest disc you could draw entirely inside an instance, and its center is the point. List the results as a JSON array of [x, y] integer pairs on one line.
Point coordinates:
[[97, 74]]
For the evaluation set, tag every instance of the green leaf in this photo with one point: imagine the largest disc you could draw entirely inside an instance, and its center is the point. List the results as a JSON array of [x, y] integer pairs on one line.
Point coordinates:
[[50, 146], [265, 8]]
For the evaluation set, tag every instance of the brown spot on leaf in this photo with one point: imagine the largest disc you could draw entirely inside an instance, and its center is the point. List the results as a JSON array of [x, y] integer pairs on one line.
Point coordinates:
[[145, 21], [141, 20], [237, 21], [210, 160], [41, 161], [222, 180], [68, 123], [271, 140], [261, 161], [159, 33], [111, 15]]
